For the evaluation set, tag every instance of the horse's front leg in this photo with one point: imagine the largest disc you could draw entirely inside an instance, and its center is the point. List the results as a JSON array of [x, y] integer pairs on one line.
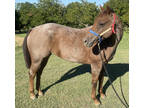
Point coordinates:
[[100, 89], [96, 69]]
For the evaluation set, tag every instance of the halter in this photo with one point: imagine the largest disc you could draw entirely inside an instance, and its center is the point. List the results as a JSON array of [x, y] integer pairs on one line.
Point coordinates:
[[111, 28]]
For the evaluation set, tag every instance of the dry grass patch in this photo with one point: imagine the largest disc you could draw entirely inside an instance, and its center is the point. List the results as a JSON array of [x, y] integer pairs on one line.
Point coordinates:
[[19, 40]]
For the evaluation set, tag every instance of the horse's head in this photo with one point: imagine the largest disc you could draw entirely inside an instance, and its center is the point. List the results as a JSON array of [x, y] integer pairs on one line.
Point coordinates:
[[104, 26]]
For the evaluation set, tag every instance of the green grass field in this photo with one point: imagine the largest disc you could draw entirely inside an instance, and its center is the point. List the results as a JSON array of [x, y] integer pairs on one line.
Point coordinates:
[[68, 85], [21, 34]]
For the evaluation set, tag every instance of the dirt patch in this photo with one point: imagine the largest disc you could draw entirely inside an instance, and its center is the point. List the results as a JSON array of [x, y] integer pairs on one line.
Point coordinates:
[[19, 40]]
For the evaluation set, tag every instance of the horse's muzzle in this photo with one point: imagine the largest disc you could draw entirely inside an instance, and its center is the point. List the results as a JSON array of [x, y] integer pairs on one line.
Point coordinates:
[[89, 43]]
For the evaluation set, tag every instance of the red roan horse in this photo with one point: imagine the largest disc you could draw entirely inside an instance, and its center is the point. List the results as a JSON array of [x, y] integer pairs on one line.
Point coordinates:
[[75, 45]]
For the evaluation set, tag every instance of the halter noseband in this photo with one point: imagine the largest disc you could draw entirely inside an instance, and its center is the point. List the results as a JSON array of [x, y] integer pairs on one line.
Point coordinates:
[[111, 28]]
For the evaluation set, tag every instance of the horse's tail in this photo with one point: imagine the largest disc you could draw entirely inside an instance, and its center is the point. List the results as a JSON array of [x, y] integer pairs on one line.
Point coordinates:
[[26, 51]]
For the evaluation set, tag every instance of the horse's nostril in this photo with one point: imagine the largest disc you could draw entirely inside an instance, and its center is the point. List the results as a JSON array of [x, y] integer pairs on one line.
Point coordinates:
[[85, 41]]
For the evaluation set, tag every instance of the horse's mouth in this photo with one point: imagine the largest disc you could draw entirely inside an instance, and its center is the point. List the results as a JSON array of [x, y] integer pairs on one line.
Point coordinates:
[[89, 45]]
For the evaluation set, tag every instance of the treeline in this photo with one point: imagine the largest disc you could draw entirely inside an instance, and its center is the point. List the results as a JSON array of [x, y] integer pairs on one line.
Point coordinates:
[[75, 14]]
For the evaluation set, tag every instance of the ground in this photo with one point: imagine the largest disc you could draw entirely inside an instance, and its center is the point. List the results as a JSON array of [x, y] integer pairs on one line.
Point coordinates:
[[68, 85]]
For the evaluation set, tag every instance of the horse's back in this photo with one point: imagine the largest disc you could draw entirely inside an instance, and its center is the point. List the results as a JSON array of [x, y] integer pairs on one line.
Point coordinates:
[[40, 40]]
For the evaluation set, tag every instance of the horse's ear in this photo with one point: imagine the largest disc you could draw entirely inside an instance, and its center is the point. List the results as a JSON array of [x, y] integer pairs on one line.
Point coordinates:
[[109, 10], [101, 9]]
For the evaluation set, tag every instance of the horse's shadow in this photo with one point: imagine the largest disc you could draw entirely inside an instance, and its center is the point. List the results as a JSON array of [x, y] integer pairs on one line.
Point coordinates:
[[114, 70]]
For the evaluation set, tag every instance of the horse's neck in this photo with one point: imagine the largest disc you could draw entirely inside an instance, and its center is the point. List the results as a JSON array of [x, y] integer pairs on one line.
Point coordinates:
[[85, 31], [87, 28]]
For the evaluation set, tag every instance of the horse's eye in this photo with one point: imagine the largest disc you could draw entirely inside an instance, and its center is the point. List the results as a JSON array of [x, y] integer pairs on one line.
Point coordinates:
[[101, 23]]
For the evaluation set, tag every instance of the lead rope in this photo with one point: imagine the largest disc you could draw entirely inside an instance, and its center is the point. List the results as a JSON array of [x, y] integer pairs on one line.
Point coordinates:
[[123, 93], [126, 105]]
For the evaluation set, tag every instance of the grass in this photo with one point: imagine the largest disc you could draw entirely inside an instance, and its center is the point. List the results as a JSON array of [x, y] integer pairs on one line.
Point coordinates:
[[21, 34], [68, 85]]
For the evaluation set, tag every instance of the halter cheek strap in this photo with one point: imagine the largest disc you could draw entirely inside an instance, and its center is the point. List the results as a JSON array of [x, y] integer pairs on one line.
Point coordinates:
[[113, 25]]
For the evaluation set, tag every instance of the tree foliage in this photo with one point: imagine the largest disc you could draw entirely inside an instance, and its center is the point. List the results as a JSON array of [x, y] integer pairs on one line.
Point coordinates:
[[51, 10], [75, 14], [81, 14], [121, 7], [17, 20]]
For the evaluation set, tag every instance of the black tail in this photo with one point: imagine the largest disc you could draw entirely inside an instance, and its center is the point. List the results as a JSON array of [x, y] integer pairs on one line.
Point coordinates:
[[26, 51]]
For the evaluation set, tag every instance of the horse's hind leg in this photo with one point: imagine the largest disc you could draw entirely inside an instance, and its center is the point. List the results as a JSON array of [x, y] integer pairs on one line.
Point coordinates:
[[33, 69], [43, 64]]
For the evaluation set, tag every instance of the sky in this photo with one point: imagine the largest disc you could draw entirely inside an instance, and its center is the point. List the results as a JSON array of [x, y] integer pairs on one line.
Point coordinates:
[[65, 2]]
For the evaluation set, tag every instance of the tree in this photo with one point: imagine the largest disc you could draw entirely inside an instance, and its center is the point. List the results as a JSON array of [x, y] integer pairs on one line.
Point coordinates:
[[89, 11], [80, 14], [121, 7], [52, 11], [17, 20], [37, 17], [75, 14], [26, 13]]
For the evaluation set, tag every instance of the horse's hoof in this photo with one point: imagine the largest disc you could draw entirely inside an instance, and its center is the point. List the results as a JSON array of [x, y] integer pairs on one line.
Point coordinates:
[[97, 102], [102, 96], [40, 93], [32, 97]]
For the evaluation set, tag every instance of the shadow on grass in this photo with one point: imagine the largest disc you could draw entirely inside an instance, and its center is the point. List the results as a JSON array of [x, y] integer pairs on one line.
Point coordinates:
[[115, 71]]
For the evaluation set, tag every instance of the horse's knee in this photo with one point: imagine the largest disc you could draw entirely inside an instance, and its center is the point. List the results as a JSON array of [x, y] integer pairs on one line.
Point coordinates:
[[95, 77], [94, 82]]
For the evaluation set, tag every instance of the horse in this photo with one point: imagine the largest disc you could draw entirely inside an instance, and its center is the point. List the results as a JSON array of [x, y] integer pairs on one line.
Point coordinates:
[[75, 45]]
